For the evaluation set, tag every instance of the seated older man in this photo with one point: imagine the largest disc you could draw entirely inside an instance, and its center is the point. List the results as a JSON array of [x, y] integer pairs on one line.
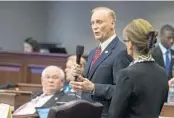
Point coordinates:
[[52, 80]]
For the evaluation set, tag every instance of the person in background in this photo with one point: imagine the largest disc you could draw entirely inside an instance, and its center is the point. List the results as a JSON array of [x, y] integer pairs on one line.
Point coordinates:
[[52, 80], [31, 45], [70, 64], [142, 87], [98, 80], [163, 53]]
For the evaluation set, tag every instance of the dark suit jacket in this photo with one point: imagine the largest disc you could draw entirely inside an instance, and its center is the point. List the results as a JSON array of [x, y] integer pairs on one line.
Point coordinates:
[[112, 59], [140, 92], [157, 55], [57, 99]]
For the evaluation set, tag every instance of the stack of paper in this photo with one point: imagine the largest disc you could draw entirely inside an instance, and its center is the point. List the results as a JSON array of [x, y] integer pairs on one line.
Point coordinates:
[[5, 111]]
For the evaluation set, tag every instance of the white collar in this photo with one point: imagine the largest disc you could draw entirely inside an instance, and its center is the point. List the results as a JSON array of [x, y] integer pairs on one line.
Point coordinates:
[[106, 42], [163, 49]]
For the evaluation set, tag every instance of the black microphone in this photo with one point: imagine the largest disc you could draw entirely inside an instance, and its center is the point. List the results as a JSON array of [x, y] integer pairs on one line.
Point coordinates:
[[79, 53]]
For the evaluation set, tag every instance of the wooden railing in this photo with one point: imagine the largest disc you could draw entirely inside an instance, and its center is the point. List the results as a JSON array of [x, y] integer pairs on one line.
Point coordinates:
[[27, 68]]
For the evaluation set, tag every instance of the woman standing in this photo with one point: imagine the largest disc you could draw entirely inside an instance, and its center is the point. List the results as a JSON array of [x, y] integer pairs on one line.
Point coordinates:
[[142, 87]]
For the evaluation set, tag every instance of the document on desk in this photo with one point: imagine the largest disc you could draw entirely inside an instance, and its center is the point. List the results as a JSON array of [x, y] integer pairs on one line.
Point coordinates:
[[5, 111]]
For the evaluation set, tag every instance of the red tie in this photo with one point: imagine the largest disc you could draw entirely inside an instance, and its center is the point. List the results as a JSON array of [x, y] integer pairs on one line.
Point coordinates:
[[96, 56]]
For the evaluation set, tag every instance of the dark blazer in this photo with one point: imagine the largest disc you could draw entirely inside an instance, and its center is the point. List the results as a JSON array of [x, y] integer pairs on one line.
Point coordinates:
[[57, 99], [158, 56], [112, 59], [140, 92]]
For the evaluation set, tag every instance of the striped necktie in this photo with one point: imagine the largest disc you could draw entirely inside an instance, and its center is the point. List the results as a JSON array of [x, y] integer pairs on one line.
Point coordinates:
[[96, 56]]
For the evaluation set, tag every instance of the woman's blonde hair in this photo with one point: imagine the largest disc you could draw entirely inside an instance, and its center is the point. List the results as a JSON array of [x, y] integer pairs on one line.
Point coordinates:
[[141, 34]]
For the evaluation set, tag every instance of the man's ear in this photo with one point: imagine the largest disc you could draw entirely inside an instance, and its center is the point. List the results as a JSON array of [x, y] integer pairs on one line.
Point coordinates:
[[113, 23], [62, 82]]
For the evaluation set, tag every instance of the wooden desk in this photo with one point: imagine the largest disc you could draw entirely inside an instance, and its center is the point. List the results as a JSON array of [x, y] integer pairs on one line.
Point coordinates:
[[8, 98], [25, 116], [168, 110], [14, 98], [26, 68], [27, 87], [19, 95]]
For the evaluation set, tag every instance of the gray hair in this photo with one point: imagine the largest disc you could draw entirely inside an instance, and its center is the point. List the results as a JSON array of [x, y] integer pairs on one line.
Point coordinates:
[[58, 69], [110, 11]]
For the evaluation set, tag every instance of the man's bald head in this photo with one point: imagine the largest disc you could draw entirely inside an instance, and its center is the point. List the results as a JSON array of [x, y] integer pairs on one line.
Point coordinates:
[[52, 79], [54, 69]]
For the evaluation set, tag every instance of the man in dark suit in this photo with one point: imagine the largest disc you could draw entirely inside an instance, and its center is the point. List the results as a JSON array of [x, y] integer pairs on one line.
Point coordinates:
[[52, 80], [108, 58], [163, 53]]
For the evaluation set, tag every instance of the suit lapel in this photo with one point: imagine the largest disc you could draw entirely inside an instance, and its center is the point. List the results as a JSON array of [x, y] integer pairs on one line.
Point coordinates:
[[56, 97], [88, 64], [102, 57], [171, 66], [160, 55]]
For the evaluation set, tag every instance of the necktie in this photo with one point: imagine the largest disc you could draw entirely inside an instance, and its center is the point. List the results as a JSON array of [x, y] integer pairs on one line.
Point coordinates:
[[167, 61], [96, 56]]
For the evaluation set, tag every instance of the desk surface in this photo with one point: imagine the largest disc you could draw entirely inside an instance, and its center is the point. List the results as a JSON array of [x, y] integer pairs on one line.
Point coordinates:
[[167, 110], [26, 116]]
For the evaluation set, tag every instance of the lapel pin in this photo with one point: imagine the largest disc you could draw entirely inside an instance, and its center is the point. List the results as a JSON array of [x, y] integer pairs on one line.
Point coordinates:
[[106, 51]]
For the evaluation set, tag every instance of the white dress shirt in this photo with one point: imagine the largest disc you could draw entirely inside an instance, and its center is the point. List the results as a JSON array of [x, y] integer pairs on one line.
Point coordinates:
[[29, 108], [106, 43]]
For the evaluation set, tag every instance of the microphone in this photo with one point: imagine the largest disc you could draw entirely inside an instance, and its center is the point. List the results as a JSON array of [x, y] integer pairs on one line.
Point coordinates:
[[79, 53]]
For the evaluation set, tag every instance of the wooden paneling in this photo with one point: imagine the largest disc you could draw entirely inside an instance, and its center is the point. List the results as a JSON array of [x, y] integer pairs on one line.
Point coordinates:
[[10, 71], [27, 68], [34, 73]]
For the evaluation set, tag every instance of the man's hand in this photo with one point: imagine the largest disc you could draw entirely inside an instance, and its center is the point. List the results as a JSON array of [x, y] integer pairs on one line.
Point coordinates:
[[75, 70], [83, 84], [171, 82]]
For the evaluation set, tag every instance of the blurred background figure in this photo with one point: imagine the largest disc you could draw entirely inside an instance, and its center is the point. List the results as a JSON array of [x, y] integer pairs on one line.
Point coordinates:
[[163, 53], [70, 65], [31, 45]]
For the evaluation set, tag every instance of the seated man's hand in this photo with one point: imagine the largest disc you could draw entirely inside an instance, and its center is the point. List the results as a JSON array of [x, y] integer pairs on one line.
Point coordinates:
[[83, 84]]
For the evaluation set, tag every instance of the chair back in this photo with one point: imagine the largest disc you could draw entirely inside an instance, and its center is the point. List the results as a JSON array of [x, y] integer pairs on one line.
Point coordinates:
[[77, 109]]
